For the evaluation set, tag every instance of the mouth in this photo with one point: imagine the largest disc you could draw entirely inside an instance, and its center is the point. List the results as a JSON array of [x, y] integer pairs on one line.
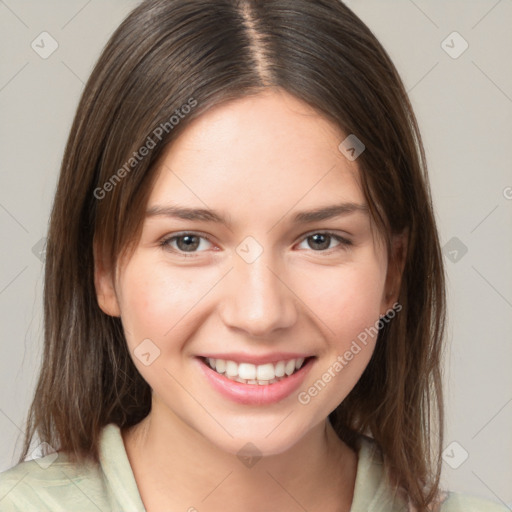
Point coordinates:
[[256, 374], [253, 384]]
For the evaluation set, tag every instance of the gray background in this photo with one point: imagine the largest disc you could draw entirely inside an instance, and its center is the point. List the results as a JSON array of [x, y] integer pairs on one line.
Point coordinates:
[[464, 107]]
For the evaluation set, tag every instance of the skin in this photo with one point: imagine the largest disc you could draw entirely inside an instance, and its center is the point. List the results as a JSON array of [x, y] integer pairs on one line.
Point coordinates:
[[258, 160]]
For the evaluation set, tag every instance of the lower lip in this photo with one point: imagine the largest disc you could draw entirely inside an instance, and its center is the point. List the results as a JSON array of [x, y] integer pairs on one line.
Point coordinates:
[[255, 394]]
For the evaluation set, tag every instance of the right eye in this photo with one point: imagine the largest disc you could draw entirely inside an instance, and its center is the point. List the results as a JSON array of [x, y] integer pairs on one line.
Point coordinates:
[[184, 244]]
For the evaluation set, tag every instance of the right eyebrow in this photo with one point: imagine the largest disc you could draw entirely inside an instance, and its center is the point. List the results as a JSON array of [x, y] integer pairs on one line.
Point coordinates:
[[188, 214]]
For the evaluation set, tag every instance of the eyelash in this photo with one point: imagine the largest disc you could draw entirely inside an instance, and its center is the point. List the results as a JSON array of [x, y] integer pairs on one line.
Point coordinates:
[[344, 243]]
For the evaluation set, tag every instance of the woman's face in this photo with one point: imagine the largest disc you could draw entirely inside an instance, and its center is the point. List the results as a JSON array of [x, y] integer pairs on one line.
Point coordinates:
[[271, 287]]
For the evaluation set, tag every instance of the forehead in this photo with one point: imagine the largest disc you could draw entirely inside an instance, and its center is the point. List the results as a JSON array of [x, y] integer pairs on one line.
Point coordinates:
[[258, 155]]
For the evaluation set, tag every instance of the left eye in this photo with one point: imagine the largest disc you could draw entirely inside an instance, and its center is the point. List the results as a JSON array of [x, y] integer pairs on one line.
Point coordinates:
[[322, 241]]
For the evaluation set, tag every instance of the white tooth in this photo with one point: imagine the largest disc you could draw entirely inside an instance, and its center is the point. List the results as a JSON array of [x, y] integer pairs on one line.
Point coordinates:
[[231, 369], [279, 372], [263, 374], [252, 381], [290, 367], [220, 365], [265, 371], [247, 371]]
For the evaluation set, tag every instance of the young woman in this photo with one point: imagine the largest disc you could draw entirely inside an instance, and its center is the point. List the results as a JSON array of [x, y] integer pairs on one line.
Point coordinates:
[[244, 292]]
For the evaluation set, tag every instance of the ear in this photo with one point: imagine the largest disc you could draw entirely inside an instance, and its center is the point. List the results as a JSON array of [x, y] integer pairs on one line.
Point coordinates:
[[396, 264], [104, 284]]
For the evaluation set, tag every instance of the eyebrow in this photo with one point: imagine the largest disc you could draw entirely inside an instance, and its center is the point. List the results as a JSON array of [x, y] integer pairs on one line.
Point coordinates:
[[304, 217]]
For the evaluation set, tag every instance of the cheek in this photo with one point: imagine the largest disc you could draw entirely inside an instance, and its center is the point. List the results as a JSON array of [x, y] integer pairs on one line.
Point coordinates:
[[157, 307], [349, 309], [346, 299], [153, 299]]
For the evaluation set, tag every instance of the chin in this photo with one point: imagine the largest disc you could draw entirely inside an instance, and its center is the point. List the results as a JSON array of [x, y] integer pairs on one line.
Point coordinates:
[[260, 439]]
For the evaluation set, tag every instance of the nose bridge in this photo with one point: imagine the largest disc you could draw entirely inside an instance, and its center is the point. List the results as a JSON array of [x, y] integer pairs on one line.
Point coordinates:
[[258, 301]]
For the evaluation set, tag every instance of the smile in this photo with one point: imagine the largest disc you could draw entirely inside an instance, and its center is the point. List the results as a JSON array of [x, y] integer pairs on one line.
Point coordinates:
[[249, 383], [248, 373]]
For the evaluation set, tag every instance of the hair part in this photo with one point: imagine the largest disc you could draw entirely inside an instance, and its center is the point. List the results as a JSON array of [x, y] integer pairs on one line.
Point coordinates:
[[165, 53]]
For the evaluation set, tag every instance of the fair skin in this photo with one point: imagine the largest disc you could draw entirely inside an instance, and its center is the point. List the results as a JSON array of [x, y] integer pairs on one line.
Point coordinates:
[[258, 161]]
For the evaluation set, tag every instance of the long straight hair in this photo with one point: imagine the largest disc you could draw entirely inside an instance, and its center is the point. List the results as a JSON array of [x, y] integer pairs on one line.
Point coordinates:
[[169, 54]]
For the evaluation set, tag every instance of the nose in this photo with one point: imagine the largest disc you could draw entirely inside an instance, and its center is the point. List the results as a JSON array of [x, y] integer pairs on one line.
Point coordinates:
[[257, 299]]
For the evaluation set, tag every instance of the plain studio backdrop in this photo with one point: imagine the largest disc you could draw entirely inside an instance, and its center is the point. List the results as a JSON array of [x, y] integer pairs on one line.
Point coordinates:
[[454, 58]]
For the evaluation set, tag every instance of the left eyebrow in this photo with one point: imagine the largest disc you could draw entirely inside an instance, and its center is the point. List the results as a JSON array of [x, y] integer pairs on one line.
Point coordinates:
[[328, 212]]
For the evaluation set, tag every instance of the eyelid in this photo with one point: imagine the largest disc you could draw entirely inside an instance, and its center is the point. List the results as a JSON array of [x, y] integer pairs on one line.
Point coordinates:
[[330, 232], [188, 232]]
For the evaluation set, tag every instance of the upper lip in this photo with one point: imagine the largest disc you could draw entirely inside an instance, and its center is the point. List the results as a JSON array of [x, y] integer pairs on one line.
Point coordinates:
[[240, 357]]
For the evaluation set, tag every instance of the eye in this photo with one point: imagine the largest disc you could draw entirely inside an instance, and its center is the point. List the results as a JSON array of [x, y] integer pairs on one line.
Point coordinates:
[[184, 243], [321, 241], [187, 244]]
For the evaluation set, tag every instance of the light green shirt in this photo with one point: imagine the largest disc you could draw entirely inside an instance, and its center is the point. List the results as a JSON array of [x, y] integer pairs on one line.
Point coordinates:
[[54, 484]]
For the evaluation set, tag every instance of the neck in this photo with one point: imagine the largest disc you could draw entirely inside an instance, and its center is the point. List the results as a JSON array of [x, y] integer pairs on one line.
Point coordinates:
[[172, 463]]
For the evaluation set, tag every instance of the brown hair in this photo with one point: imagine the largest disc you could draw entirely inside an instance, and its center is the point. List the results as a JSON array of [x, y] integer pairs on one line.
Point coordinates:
[[170, 53]]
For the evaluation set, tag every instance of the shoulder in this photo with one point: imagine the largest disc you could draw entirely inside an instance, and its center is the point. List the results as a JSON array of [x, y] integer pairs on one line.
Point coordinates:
[[56, 484], [458, 502], [373, 491], [51, 482]]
